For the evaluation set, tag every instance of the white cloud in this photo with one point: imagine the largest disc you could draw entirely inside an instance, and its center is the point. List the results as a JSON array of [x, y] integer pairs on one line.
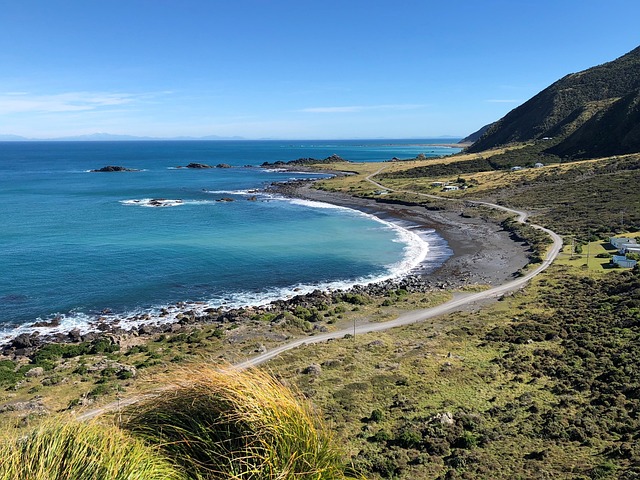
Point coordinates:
[[23, 102], [360, 108]]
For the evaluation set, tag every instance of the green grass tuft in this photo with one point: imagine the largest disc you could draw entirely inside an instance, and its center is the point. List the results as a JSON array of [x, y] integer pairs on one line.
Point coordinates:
[[237, 424], [66, 449]]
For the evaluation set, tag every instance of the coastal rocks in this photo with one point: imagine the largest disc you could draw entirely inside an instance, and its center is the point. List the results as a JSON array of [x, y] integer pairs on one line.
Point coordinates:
[[26, 340], [163, 202], [198, 165], [301, 162], [54, 322], [203, 166], [115, 168]]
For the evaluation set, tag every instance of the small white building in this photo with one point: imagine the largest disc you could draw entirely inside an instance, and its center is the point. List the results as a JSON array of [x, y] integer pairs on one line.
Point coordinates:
[[618, 242], [630, 248], [623, 261], [450, 188], [538, 165], [516, 168]]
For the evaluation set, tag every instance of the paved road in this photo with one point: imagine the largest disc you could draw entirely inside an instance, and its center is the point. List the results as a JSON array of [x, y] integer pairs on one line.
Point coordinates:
[[404, 319]]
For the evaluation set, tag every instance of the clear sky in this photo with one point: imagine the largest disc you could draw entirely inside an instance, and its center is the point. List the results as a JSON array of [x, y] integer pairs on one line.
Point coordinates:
[[292, 68]]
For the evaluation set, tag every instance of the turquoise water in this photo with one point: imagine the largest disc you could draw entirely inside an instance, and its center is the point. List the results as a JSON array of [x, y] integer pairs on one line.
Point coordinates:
[[76, 243]]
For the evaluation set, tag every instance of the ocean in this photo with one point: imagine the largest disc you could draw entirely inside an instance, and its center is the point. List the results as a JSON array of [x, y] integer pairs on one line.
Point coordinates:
[[78, 245]]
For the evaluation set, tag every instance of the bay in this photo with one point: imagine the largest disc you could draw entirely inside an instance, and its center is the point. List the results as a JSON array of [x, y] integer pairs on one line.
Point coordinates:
[[77, 243]]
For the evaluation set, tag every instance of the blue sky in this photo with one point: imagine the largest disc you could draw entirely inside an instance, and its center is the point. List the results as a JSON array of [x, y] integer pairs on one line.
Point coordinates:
[[292, 68]]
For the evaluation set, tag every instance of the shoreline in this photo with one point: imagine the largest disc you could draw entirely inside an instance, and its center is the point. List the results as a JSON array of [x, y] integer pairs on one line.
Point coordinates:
[[478, 253], [482, 252]]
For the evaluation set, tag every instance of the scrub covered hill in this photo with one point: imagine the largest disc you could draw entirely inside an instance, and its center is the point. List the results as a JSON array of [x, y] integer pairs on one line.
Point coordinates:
[[587, 114]]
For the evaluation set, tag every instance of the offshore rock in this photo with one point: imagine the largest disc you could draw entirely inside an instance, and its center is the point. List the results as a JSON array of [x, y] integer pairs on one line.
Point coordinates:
[[198, 165], [115, 168]]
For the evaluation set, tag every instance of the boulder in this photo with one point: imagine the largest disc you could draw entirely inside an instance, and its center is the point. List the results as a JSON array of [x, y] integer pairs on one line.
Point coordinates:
[[26, 340], [313, 369], [198, 165], [114, 168], [34, 372]]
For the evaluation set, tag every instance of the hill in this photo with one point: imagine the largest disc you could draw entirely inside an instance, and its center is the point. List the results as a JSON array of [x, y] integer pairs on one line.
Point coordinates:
[[590, 98], [475, 135], [612, 131]]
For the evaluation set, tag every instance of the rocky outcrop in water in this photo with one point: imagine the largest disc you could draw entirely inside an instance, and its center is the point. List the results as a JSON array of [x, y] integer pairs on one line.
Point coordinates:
[[115, 168], [302, 162], [198, 165]]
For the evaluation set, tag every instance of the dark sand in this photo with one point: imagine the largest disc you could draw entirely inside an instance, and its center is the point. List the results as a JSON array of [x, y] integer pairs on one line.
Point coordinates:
[[483, 253]]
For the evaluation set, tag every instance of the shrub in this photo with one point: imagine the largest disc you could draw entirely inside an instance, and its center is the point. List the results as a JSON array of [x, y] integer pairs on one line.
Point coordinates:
[[71, 450], [236, 424]]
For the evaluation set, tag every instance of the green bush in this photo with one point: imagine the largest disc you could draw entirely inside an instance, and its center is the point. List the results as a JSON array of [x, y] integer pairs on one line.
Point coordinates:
[[236, 424]]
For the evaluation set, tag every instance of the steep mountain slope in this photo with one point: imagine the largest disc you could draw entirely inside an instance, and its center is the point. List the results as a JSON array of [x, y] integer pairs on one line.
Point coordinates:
[[562, 108], [476, 135], [613, 131]]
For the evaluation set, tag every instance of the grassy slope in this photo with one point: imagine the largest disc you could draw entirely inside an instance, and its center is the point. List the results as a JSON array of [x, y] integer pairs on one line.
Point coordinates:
[[528, 380]]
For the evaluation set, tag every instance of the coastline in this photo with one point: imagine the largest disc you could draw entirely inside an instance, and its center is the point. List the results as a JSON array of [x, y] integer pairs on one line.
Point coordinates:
[[482, 252], [477, 253]]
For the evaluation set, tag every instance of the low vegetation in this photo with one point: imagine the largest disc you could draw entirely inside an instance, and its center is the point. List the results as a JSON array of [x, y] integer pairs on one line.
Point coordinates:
[[64, 448], [210, 424], [233, 424], [542, 384]]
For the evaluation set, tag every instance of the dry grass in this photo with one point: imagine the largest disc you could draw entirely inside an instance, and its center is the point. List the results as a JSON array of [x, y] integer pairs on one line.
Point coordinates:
[[62, 448], [235, 424]]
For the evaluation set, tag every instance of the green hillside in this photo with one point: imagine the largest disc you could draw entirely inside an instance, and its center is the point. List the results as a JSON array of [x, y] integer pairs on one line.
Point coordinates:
[[611, 131], [564, 107]]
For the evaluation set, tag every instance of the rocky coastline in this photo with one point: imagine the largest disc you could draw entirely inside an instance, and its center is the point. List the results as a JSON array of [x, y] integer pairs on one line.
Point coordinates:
[[482, 254]]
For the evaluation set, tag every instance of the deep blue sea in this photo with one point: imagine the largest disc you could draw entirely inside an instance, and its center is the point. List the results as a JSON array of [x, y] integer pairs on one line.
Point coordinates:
[[76, 244]]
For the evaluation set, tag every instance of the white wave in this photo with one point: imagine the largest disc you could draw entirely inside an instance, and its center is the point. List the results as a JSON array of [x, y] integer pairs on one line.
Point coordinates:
[[317, 204], [416, 252], [164, 202], [235, 192]]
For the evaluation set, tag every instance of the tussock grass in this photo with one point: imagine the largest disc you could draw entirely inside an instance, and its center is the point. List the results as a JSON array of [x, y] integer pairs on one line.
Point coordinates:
[[234, 424], [66, 449]]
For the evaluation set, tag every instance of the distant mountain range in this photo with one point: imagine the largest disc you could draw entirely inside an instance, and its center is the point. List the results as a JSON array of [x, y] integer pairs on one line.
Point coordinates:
[[588, 114], [106, 137]]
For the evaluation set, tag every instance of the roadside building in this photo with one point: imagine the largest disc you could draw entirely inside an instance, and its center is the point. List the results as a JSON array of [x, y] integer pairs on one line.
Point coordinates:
[[623, 261], [618, 242]]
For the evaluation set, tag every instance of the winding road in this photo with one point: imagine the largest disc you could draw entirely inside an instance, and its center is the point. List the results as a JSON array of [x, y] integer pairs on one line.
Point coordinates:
[[427, 313], [404, 319]]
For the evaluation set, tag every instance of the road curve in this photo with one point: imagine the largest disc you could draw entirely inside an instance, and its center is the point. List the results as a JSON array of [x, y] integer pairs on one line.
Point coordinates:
[[407, 318], [427, 313]]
